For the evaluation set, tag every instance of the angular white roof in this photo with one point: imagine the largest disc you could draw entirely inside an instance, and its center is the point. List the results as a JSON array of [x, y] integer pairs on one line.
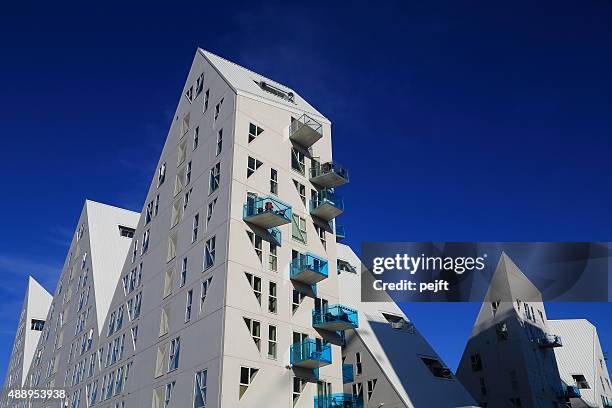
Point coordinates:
[[245, 82]]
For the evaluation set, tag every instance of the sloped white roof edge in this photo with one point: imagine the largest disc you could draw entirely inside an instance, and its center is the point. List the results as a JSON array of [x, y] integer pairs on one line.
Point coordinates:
[[108, 251], [243, 82], [36, 303]]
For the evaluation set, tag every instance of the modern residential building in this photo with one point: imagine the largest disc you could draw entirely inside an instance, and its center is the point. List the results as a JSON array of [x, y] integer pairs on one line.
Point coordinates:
[[66, 353], [582, 363], [31, 323], [511, 357], [387, 362]]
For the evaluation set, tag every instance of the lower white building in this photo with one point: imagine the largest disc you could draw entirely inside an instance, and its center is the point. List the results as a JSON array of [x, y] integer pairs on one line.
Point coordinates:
[[582, 363]]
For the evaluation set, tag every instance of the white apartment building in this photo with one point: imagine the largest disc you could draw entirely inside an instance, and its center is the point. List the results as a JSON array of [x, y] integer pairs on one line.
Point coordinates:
[[66, 353], [31, 323], [511, 358], [582, 363]]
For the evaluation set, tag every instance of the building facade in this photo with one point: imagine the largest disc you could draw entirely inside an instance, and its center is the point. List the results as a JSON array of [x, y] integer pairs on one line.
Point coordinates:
[[31, 323]]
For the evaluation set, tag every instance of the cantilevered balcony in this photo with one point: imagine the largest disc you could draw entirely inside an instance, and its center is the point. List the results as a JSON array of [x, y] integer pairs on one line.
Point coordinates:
[[550, 341], [308, 268], [335, 318], [305, 131], [329, 174], [348, 375], [338, 401], [326, 205], [569, 391], [310, 354], [340, 233], [266, 212]]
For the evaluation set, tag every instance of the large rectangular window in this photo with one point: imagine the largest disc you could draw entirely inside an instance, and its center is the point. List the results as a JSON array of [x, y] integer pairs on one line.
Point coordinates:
[[209, 253], [188, 305], [272, 342], [215, 177], [173, 357], [297, 161], [199, 399], [298, 228]]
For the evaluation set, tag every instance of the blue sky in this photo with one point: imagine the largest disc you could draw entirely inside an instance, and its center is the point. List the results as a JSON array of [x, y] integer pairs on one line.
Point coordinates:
[[464, 122]]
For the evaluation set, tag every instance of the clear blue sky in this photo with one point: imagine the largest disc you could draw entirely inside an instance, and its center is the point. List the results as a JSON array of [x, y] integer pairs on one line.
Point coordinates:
[[458, 121]]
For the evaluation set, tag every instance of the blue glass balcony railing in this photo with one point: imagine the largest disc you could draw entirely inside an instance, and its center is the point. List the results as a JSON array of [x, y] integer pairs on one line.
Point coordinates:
[[569, 391], [348, 376], [326, 205], [340, 232], [308, 268], [266, 212], [550, 341], [338, 401], [276, 236], [305, 131], [335, 318], [329, 174], [310, 354]]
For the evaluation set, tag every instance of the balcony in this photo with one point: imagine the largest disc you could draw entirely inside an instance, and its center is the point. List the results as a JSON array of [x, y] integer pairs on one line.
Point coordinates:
[[326, 205], [340, 233], [335, 318], [305, 131], [338, 401], [550, 341], [329, 174], [348, 376], [569, 391], [266, 212], [310, 354], [308, 268]]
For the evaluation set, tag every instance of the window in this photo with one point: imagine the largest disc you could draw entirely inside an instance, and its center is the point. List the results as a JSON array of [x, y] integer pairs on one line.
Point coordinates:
[[199, 85], [183, 272], [494, 307], [257, 242], [162, 352], [209, 253], [194, 231], [273, 258], [168, 394], [206, 98], [219, 141], [210, 210], [148, 215], [37, 324], [301, 190], [502, 331], [247, 375], [255, 282], [181, 153], [371, 384], [296, 300], [185, 125], [298, 228], [134, 331], [186, 199], [218, 109], [358, 390], [483, 386], [168, 277], [145, 242], [436, 368], [298, 387], [173, 358], [581, 382], [476, 361], [177, 211], [254, 131], [297, 161], [189, 94], [215, 175], [255, 329], [272, 342], [164, 321], [205, 286], [276, 91], [199, 399], [273, 181], [196, 137], [188, 304], [128, 232], [358, 365], [188, 173], [321, 233], [272, 298], [252, 166], [398, 322], [171, 248], [161, 175], [179, 181]]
